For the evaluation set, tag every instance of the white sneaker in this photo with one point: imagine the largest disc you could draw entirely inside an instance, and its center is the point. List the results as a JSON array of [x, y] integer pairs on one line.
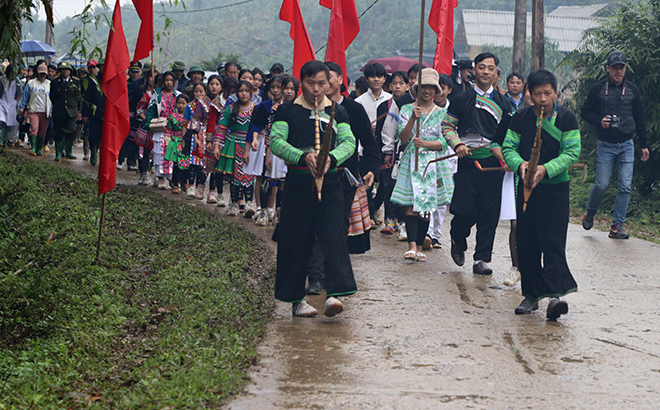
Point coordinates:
[[212, 199], [249, 210], [271, 215], [257, 212], [303, 309], [119, 166], [402, 235], [333, 307], [161, 183], [233, 209], [262, 219], [190, 193], [199, 192], [222, 202], [512, 277], [143, 179], [155, 180], [132, 168]]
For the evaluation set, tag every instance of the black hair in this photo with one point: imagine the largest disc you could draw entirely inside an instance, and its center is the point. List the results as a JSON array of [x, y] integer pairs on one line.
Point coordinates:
[[52, 67], [541, 77], [334, 67], [388, 81], [39, 62], [413, 69], [232, 63], [168, 73], [293, 80], [229, 83], [235, 107], [201, 84], [481, 57], [159, 79], [362, 85], [256, 71], [215, 77], [375, 70], [515, 74], [184, 97], [243, 71], [444, 79], [313, 67], [274, 79], [401, 74]]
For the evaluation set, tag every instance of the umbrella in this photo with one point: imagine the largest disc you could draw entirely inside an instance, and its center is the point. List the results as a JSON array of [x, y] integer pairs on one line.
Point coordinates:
[[35, 48], [397, 63]]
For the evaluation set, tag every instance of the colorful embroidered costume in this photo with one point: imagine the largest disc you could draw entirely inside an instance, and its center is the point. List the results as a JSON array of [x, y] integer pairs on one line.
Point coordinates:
[[195, 119], [176, 147], [230, 135]]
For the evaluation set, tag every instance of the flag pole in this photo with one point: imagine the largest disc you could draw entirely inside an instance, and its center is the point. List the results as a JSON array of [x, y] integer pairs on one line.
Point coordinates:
[[153, 69], [98, 246], [419, 76]]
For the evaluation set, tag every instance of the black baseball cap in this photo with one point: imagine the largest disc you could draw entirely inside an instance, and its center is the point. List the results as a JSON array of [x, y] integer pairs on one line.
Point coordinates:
[[616, 57], [277, 66]]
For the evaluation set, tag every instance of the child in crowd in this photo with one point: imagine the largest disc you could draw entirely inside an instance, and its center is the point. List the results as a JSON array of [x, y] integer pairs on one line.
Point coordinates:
[[195, 121], [258, 136], [543, 225], [421, 196], [214, 86], [229, 150], [177, 149]]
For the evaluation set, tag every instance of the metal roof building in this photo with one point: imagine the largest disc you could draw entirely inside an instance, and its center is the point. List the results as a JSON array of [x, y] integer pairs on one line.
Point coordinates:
[[480, 28]]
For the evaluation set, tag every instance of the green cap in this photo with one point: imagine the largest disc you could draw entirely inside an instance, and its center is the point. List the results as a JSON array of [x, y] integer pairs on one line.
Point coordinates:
[[195, 69], [146, 67], [63, 65], [178, 65]]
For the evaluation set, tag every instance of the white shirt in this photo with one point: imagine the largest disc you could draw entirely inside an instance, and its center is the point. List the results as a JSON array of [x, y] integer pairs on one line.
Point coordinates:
[[40, 102], [371, 103]]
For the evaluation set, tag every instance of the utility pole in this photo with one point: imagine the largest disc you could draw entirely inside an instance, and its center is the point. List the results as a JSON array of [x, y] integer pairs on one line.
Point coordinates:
[[49, 32], [538, 36], [519, 37]]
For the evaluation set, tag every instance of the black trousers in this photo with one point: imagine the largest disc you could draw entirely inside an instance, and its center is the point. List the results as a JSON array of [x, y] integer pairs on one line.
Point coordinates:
[[302, 218], [128, 152], [63, 128], [95, 131], [384, 195], [541, 242], [316, 273], [476, 201]]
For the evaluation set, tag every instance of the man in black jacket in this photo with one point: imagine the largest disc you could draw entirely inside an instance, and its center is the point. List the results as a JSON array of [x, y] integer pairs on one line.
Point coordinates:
[[65, 96], [92, 112], [615, 108]]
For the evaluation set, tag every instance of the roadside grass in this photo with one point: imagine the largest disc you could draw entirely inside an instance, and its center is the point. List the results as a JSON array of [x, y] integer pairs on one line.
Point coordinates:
[[169, 318], [642, 218]]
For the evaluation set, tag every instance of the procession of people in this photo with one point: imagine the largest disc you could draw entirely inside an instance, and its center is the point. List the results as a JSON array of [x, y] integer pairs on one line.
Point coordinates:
[[295, 151]]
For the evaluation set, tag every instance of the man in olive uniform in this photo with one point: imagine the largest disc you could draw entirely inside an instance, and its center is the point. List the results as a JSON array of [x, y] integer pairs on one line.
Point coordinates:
[[66, 97]]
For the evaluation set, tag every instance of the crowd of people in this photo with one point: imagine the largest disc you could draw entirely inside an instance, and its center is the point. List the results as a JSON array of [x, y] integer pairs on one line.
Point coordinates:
[[405, 148]]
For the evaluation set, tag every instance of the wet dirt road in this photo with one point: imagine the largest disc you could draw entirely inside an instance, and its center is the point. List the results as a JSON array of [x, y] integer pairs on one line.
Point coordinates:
[[433, 335]]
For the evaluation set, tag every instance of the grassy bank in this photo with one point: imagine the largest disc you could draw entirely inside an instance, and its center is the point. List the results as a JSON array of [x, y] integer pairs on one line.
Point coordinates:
[[169, 317], [642, 218]]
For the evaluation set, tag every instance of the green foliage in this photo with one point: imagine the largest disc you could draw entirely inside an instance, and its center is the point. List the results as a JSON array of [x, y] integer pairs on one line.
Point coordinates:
[[170, 317], [212, 64], [12, 16], [634, 30]]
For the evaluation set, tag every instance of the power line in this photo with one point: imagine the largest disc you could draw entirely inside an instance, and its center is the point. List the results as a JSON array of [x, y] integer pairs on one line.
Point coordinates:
[[212, 8]]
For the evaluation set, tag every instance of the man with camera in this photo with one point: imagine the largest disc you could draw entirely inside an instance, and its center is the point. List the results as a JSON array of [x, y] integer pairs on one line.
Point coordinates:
[[615, 108]]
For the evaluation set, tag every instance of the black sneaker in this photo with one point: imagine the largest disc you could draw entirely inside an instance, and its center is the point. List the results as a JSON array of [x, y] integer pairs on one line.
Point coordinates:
[[436, 244], [588, 220], [315, 288], [527, 306], [617, 232], [556, 308]]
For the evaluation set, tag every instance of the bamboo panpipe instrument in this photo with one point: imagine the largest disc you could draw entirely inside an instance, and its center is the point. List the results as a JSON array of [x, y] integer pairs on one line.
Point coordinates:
[[324, 152], [533, 163], [449, 156], [317, 130], [493, 169]]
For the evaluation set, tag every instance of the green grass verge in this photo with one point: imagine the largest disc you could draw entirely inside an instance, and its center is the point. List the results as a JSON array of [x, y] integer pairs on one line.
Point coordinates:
[[170, 317], [642, 218]]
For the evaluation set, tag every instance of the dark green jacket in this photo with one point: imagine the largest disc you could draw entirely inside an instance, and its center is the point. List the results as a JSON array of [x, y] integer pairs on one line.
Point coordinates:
[[66, 97]]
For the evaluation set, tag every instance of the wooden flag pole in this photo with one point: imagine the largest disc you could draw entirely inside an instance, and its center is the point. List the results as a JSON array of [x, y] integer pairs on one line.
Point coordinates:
[[98, 246], [419, 76], [153, 70]]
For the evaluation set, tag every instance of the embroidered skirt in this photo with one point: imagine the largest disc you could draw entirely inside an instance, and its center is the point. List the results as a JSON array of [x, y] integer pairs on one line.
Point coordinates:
[[231, 159]]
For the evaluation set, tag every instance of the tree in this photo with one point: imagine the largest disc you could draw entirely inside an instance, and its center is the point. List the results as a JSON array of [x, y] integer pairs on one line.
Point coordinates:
[[212, 64], [634, 30], [12, 15]]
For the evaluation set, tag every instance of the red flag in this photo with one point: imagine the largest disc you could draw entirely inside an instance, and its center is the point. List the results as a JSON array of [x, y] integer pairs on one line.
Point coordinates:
[[344, 27], [441, 20], [303, 51], [115, 117], [145, 41]]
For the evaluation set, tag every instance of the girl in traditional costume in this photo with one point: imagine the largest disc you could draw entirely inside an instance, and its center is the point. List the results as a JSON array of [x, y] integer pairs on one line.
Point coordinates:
[[195, 121], [177, 152], [421, 196], [162, 105], [230, 148]]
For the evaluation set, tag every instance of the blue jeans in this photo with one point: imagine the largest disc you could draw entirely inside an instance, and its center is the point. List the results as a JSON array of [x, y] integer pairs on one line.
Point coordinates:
[[607, 155]]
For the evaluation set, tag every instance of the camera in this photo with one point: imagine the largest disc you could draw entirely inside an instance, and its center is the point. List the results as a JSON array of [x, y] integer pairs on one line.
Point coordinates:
[[614, 122]]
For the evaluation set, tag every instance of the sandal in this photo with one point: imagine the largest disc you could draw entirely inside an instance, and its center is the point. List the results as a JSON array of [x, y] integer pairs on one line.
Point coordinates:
[[410, 255], [421, 257]]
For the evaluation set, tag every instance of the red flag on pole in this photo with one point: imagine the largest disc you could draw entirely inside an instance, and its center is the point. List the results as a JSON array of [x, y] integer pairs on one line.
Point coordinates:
[[145, 40], [115, 117], [441, 20], [344, 27], [303, 51]]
